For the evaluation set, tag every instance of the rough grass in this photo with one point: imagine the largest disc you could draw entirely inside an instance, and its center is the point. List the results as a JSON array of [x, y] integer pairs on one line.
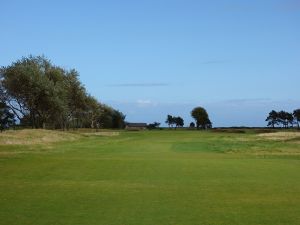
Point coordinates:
[[35, 136], [283, 136], [153, 178]]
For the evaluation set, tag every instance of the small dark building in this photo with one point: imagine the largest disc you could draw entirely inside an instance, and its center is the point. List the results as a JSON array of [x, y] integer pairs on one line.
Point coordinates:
[[136, 126]]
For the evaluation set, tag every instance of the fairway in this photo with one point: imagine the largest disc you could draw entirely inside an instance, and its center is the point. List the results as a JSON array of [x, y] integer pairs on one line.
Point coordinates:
[[162, 177]]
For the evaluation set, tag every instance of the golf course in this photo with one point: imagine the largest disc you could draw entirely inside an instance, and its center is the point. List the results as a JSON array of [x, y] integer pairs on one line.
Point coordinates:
[[159, 177]]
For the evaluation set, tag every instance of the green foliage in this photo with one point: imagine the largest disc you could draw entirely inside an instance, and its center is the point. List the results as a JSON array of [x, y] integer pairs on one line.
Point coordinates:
[[170, 120], [154, 125], [179, 122], [296, 115], [41, 94], [201, 117], [173, 120], [192, 125], [272, 118], [7, 118], [282, 117]]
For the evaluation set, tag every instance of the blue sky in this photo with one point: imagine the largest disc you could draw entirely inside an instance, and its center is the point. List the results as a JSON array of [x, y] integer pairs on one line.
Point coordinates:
[[238, 59]]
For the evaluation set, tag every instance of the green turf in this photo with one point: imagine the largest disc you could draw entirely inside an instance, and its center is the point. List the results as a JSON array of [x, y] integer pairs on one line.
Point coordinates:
[[152, 178]]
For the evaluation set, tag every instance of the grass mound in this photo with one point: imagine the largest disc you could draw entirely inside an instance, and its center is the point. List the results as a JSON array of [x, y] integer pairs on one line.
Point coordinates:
[[35, 136]]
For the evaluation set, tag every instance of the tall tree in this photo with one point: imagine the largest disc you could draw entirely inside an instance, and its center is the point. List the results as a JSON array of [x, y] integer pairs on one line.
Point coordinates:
[[42, 94], [29, 91], [179, 122], [76, 98], [91, 117], [201, 117], [285, 118], [290, 119], [170, 121], [296, 115], [272, 119]]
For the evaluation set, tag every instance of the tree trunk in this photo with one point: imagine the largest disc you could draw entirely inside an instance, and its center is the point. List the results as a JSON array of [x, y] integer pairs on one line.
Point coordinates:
[[33, 120], [92, 124]]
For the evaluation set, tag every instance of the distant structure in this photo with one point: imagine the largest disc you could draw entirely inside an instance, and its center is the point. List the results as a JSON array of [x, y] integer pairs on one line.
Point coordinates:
[[136, 126]]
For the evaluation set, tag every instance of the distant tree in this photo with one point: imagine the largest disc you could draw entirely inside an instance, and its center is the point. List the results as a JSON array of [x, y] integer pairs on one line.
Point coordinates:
[[272, 119], [296, 115], [285, 118], [154, 125], [290, 119], [170, 121], [201, 117], [7, 118], [192, 125], [179, 122]]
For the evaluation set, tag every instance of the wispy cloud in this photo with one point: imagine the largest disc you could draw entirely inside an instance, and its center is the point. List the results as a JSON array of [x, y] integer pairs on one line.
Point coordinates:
[[145, 103], [139, 85]]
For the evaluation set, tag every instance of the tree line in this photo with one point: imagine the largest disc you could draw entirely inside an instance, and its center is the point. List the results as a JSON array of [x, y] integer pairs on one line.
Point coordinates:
[[199, 114], [174, 121], [37, 93], [283, 119]]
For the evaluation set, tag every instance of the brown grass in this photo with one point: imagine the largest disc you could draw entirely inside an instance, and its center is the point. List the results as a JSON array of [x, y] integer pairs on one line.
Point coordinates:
[[35, 136], [281, 136]]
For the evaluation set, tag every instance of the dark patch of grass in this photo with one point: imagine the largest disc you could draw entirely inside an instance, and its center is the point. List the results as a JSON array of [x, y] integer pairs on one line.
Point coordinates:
[[234, 131]]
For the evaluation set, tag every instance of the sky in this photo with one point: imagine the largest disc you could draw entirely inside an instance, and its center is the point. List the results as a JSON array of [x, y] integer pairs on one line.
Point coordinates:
[[238, 59]]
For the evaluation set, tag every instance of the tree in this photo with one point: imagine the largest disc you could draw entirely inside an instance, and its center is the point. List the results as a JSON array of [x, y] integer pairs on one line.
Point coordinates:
[[290, 119], [118, 119], [285, 118], [272, 119], [296, 115], [192, 125], [179, 122], [154, 125], [93, 113], [201, 117], [7, 118], [29, 89], [111, 118], [41, 94], [170, 121]]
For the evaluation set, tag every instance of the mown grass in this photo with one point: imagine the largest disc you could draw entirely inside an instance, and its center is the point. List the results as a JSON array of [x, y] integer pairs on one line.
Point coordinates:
[[152, 178]]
